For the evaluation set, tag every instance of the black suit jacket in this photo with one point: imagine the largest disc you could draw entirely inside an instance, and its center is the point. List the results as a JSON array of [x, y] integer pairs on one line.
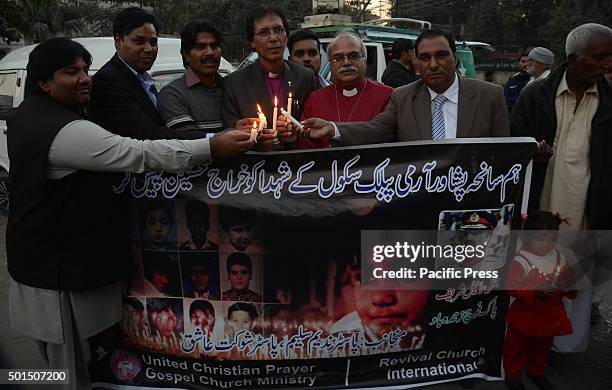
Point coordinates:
[[243, 89], [396, 75], [120, 104]]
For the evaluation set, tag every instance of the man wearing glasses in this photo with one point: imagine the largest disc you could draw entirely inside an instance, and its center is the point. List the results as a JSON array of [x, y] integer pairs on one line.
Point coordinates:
[[268, 77], [439, 106], [352, 97]]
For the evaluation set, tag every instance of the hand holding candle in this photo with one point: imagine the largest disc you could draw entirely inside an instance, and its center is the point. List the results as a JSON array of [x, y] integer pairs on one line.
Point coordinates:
[[292, 119]]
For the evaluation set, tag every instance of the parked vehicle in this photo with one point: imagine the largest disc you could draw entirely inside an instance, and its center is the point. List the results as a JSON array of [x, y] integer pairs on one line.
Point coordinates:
[[167, 67], [378, 38]]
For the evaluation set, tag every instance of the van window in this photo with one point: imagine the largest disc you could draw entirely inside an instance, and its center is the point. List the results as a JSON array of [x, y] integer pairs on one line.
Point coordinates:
[[8, 85], [371, 70]]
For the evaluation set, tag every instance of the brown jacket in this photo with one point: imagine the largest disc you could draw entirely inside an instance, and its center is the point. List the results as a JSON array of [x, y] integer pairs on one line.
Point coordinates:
[[481, 112]]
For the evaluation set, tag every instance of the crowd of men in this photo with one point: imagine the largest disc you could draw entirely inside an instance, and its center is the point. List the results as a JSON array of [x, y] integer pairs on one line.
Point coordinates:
[[62, 159]]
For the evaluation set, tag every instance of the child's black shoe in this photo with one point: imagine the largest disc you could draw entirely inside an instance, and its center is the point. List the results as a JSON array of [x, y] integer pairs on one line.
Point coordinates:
[[541, 381], [515, 384]]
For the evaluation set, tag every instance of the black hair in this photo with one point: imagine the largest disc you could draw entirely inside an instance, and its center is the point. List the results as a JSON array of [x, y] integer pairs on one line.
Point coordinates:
[[525, 52], [157, 205], [50, 56], [134, 303], [241, 306], [232, 216], [159, 304], [132, 18], [543, 220], [302, 35], [197, 207], [238, 258], [489, 72], [260, 12], [201, 262], [401, 45], [191, 31], [428, 34], [203, 305]]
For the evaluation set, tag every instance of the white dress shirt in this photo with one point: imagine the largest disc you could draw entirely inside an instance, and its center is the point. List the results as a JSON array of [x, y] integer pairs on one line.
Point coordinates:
[[449, 108]]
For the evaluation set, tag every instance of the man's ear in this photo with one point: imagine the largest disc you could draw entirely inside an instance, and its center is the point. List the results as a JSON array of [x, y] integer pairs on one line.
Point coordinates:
[[185, 60], [118, 41], [44, 85]]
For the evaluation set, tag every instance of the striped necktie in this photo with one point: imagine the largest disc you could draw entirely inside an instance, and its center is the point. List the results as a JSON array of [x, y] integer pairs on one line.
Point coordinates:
[[438, 128]]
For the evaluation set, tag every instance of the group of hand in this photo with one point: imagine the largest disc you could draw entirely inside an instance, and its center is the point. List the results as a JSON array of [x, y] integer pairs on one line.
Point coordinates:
[[234, 142]]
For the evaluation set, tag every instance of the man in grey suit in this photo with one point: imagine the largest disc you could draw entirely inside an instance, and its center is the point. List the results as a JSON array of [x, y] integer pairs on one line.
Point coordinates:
[[269, 76], [439, 106]]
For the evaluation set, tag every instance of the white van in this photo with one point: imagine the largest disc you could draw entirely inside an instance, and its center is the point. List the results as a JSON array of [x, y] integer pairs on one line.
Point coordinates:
[[167, 67]]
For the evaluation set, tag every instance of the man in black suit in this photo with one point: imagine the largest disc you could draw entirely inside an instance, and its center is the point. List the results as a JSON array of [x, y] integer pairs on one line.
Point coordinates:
[[269, 76], [400, 70], [124, 98]]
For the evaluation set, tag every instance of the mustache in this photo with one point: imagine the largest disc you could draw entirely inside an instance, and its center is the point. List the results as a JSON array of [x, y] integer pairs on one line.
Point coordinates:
[[349, 68]]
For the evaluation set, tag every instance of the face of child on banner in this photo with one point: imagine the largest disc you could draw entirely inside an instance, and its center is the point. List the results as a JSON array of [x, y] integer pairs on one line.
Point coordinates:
[[239, 277], [158, 224], [383, 311], [241, 316], [164, 321], [197, 219], [199, 277], [241, 236], [202, 315]]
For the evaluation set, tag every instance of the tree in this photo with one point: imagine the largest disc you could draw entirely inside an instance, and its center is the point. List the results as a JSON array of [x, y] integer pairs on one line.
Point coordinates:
[[8, 30], [572, 13]]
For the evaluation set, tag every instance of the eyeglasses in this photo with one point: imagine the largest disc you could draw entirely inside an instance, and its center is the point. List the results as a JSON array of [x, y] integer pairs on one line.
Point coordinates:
[[352, 57], [267, 33]]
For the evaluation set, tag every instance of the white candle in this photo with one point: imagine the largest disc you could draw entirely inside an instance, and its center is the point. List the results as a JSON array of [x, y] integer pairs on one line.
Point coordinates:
[[274, 115], [263, 123], [254, 132], [292, 119], [289, 104]]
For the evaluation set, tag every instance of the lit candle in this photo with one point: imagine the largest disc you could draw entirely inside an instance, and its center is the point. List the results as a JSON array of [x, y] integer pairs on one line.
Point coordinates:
[[289, 103], [254, 132], [274, 115], [263, 123]]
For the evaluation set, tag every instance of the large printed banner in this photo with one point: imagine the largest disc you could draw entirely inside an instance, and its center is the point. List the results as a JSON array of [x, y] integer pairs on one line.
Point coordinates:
[[249, 271]]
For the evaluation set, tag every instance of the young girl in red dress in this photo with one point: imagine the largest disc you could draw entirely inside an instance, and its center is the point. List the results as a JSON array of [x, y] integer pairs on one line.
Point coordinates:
[[538, 278]]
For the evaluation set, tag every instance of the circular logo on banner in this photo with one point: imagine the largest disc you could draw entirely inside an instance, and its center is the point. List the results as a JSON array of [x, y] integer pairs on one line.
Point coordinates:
[[124, 365]]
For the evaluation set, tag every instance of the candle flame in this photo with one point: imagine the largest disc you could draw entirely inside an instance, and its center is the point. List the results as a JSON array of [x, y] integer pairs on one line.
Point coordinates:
[[275, 101], [258, 108], [290, 94], [254, 125]]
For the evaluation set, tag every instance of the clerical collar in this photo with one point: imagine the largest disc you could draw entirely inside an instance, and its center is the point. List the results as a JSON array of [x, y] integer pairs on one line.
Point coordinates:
[[354, 91], [270, 75]]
